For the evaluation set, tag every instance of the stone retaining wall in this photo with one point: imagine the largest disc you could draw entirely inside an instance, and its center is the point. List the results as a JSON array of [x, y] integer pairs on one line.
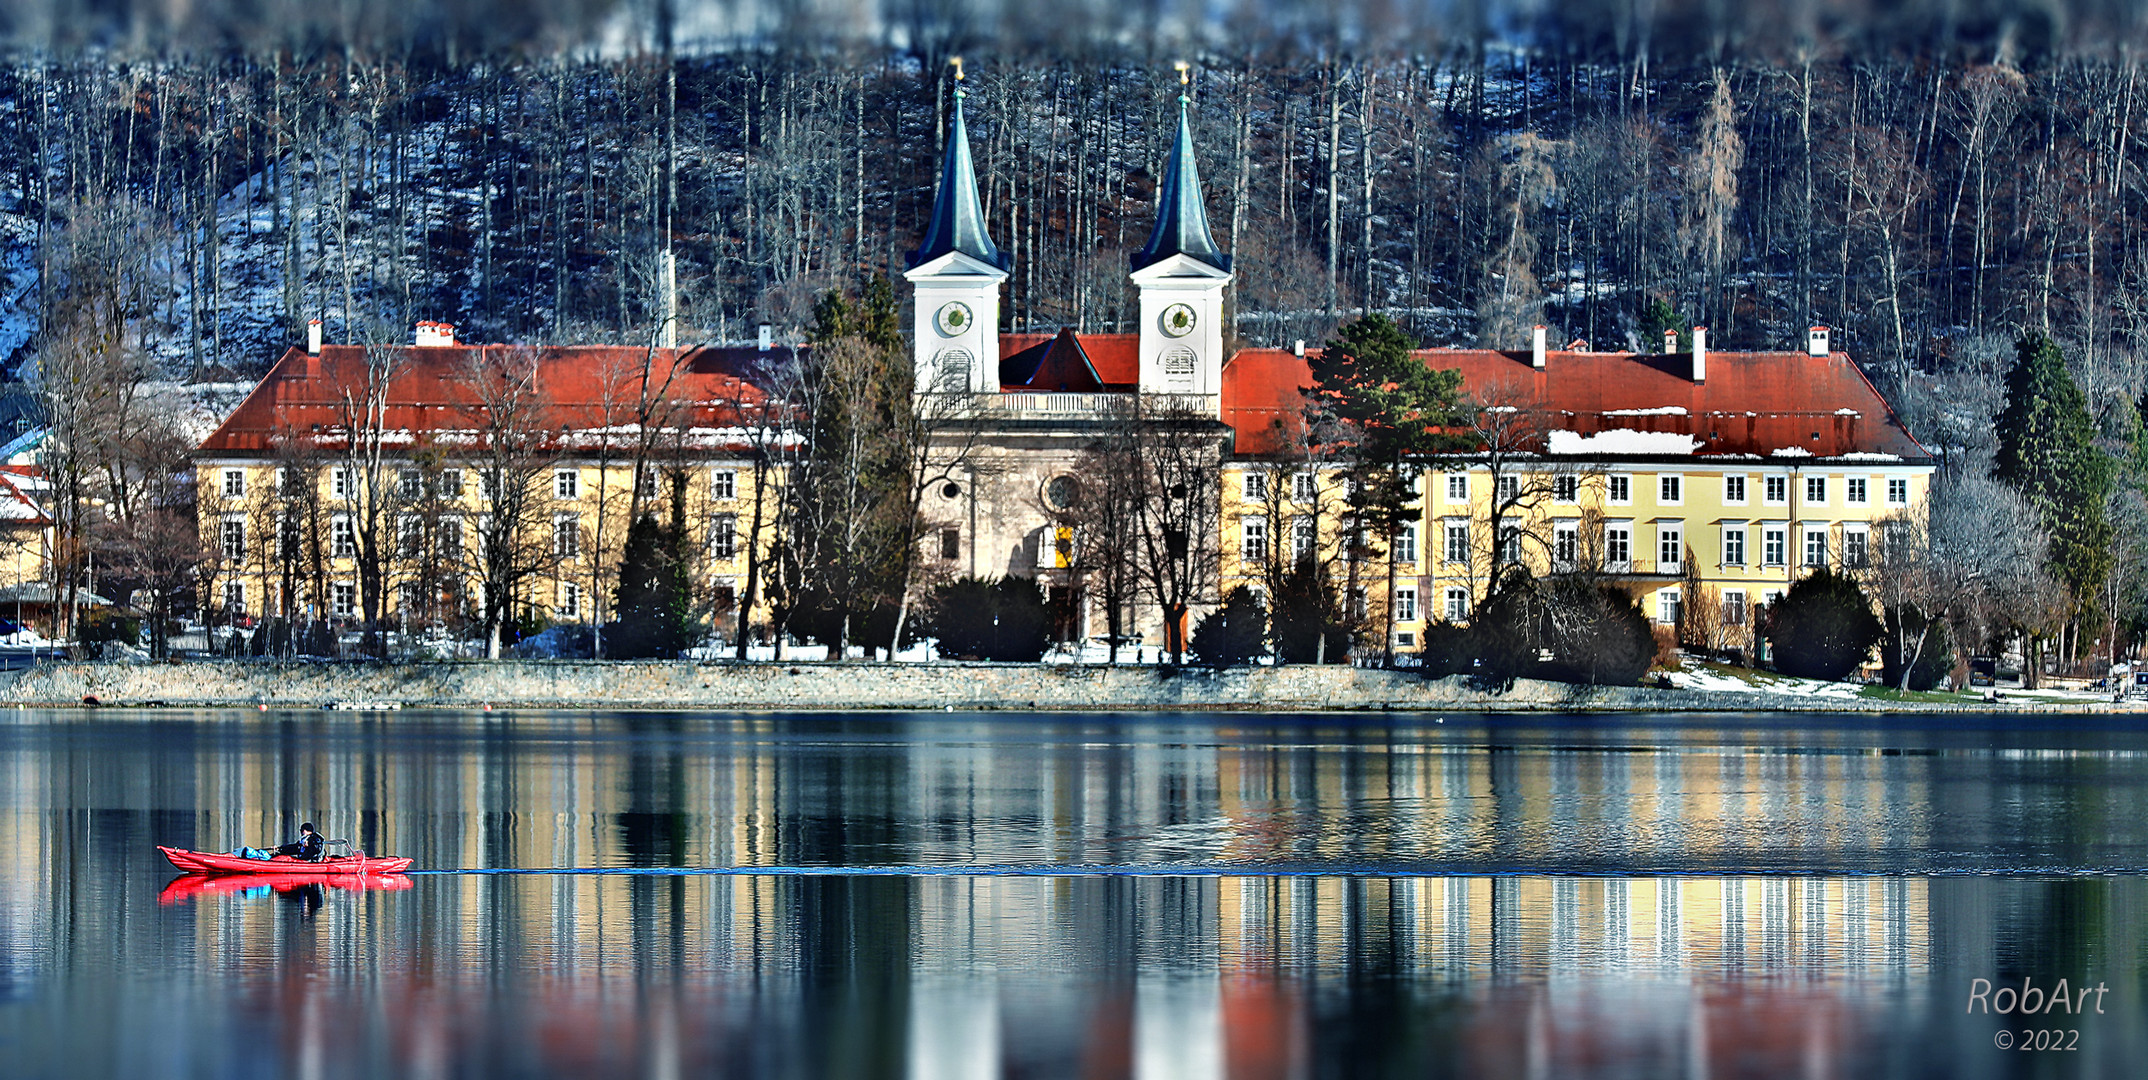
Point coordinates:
[[627, 684]]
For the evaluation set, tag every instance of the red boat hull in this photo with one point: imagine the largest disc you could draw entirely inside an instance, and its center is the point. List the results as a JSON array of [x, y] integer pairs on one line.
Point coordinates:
[[209, 862]]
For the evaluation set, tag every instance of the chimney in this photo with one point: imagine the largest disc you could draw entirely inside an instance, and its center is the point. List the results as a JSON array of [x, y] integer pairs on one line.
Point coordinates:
[[435, 335], [1700, 354], [1298, 350], [313, 337], [668, 270], [1536, 348], [1670, 342], [768, 337], [1816, 341]]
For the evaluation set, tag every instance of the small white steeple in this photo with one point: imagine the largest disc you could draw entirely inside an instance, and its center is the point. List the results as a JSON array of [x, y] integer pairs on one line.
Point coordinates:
[[955, 276], [1181, 275]]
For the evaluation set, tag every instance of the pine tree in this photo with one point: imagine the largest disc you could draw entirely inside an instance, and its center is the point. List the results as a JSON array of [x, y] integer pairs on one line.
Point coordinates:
[[655, 602], [2047, 451]]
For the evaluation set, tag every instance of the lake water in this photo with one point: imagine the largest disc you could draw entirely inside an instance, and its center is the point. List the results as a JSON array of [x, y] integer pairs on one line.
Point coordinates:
[[1040, 895]]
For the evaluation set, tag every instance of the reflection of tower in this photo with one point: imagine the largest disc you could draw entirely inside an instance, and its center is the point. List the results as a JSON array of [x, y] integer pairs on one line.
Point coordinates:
[[1181, 276], [955, 276]]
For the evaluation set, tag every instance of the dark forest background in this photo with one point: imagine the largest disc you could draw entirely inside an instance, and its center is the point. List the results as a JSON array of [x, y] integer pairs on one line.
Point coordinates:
[[1927, 178]]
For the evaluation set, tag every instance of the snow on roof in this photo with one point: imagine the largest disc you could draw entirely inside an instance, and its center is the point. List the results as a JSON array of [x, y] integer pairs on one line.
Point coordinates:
[[1663, 410], [1622, 441]]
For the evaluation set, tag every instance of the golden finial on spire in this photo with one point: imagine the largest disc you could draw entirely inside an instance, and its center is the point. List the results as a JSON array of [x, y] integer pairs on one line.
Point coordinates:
[[1182, 68], [957, 62], [1185, 82]]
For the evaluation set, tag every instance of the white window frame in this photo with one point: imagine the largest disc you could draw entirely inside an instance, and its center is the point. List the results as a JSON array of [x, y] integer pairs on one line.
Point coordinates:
[[1670, 489], [234, 483], [1775, 543], [1254, 486], [1406, 542], [1733, 545], [1253, 538], [1405, 603], [566, 535], [339, 482], [1618, 489], [723, 485], [1856, 490], [1805, 546], [723, 537], [1737, 489], [449, 483], [450, 550], [1565, 489], [570, 600], [566, 483], [1618, 540], [1856, 545], [342, 537], [1450, 529], [1898, 491], [235, 598], [1771, 481], [409, 484], [1668, 602], [1457, 604], [342, 599], [1507, 488], [231, 537], [1302, 538], [1819, 484], [1304, 487], [1458, 487], [1671, 537], [1565, 544], [1735, 612]]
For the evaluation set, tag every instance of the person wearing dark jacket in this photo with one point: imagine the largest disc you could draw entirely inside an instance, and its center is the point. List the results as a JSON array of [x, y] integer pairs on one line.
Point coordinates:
[[307, 847]]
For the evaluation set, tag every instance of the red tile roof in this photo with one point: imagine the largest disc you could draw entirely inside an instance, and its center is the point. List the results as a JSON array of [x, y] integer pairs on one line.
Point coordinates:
[[431, 393], [1042, 361], [1751, 404]]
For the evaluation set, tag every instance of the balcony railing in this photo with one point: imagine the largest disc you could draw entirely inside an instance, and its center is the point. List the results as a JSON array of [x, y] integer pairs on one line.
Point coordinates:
[[1044, 405]]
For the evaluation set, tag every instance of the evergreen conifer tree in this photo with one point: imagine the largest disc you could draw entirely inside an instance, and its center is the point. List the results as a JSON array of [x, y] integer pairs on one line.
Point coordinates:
[[654, 602], [2047, 451]]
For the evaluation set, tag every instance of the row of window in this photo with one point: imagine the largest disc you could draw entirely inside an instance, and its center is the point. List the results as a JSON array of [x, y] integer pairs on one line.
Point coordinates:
[[1618, 489], [447, 484], [410, 537], [343, 599], [1618, 543]]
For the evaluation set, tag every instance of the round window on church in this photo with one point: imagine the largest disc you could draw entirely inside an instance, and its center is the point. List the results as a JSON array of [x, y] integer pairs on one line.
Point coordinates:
[[950, 491], [1062, 492]]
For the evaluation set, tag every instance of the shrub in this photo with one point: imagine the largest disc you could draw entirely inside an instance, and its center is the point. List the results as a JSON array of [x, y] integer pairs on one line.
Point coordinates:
[[1007, 619], [1235, 633], [1306, 607], [1823, 628], [1932, 664], [1601, 636], [1566, 628], [1448, 650]]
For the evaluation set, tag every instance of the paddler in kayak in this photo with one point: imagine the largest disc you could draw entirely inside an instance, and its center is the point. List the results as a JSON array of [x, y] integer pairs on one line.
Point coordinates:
[[307, 847]]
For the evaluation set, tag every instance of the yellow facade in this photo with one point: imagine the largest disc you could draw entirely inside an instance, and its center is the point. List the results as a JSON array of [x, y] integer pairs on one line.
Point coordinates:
[[1749, 527], [434, 509]]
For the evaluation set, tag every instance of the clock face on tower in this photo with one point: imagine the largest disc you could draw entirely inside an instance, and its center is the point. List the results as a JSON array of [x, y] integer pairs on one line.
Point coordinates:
[[1178, 320], [953, 318]]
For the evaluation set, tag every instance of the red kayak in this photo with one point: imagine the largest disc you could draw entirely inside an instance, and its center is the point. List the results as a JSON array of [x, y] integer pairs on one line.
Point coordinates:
[[210, 862], [197, 885]]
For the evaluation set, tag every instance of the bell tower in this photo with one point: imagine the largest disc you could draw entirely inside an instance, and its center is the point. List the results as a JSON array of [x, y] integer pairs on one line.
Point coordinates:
[[1181, 276], [955, 277]]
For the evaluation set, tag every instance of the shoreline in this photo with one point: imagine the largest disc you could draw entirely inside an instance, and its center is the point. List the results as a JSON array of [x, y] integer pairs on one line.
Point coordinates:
[[881, 686]]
